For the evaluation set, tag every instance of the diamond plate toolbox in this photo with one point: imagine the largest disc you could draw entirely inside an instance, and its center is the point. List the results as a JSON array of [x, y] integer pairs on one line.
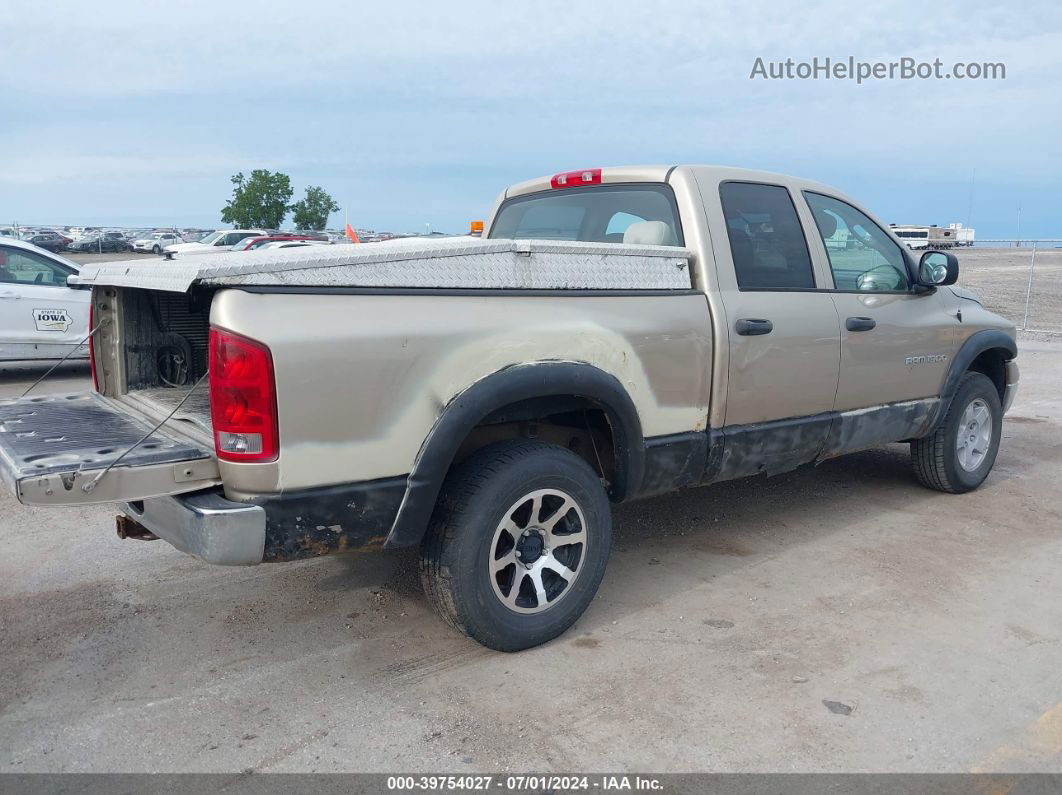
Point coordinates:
[[461, 263]]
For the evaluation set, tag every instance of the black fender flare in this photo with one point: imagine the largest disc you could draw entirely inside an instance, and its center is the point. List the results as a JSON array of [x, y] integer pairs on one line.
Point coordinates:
[[510, 385], [976, 344]]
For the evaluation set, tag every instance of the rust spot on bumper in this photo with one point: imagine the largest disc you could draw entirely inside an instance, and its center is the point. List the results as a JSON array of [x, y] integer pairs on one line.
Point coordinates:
[[132, 529]]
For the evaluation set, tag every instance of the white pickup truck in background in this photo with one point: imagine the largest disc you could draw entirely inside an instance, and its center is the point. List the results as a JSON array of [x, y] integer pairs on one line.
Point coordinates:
[[219, 240]]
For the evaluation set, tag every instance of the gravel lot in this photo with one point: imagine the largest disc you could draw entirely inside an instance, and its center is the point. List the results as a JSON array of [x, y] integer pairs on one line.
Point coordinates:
[[838, 618], [1001, 278]]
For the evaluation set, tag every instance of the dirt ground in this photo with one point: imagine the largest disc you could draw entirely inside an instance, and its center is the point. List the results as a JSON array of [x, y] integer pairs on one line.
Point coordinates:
[[1001, 278], [838, 618]]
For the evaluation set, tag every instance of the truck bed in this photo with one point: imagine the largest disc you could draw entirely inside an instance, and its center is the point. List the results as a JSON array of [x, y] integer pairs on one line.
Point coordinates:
[[163, 400]]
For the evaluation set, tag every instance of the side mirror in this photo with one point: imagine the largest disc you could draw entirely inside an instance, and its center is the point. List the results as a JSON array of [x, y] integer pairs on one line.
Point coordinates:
[[938, 269]]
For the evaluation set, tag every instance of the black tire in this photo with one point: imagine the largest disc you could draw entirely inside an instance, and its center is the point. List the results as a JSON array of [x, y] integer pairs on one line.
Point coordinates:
[[936, 457], [461, 541], [156, 250]]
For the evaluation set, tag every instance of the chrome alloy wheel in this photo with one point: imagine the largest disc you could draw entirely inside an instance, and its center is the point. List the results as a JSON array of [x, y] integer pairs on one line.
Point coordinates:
[[974, 435], [537, 551]]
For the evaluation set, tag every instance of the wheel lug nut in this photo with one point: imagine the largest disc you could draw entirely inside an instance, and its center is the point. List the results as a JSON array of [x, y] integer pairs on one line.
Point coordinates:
[[518, 553]]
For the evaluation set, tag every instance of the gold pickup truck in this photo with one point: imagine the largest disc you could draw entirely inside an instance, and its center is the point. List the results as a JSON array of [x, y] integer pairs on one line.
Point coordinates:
[[617, 333]]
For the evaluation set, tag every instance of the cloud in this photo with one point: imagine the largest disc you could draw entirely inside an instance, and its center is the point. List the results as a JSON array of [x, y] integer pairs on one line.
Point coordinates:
[[412, 105]]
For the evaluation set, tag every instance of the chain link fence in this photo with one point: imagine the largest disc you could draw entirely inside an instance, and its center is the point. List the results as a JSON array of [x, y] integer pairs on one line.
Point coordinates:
[[1019, 279]]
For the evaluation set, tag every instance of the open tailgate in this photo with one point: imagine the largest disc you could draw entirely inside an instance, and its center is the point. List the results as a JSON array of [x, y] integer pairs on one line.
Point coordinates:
[[53, 448]]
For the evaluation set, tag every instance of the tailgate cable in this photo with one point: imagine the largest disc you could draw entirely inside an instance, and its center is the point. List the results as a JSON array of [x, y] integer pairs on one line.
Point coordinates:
[[70, 353], [88, 487]]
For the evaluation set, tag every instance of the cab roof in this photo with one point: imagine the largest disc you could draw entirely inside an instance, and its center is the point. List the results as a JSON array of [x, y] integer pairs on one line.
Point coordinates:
[[658, 173]]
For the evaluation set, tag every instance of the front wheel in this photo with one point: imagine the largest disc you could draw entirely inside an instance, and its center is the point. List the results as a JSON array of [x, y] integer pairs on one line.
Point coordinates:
[[156, 250], [959, 454], [518, 544]]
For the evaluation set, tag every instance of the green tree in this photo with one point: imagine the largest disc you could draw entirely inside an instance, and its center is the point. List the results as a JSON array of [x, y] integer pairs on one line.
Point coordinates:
[[312, 211], [260, 200]]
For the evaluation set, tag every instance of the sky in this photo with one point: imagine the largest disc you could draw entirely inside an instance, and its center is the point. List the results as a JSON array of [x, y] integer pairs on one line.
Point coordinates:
[[418, 114]]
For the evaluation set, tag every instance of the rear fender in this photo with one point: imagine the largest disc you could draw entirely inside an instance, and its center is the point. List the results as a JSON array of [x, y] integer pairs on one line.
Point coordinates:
[[513, 384]]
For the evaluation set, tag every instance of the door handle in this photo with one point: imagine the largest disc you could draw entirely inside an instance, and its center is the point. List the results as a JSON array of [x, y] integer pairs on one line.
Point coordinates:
[[860, 323], [753, 327]]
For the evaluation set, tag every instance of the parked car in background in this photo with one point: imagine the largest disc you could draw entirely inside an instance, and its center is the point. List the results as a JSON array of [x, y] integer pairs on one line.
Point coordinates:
[[292, 244], [252, 242], [85, 242], [41, 317], [53, 241], [100, 242], [156, 242], [214, 242]]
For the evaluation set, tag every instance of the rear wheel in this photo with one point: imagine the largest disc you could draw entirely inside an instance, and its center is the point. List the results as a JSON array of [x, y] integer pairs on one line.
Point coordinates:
[[518, 544], [959, 454]]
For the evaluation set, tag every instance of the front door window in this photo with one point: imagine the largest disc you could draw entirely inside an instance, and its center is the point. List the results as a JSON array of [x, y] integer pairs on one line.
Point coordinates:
[[862, 256]]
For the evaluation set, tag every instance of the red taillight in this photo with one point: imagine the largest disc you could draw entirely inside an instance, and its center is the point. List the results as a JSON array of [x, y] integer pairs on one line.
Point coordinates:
[[92, 351], [243, 405], [572, 179]]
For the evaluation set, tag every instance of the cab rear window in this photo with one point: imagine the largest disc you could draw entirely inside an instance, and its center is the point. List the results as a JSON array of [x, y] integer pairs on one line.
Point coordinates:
[[643, 213]]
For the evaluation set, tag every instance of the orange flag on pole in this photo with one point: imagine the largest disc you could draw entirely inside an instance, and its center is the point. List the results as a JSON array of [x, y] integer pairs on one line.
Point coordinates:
[[352, 234]]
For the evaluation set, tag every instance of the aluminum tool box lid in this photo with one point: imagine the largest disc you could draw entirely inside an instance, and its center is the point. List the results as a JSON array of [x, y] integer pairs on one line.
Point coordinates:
[[469, 263]]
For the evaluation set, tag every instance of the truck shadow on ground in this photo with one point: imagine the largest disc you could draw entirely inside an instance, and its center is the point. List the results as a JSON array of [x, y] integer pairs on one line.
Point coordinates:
[[723, 527]]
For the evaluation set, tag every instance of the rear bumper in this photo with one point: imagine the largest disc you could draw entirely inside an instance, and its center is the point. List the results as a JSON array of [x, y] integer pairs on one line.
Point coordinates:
[[281, 527], [206, 525], [1012, 385]]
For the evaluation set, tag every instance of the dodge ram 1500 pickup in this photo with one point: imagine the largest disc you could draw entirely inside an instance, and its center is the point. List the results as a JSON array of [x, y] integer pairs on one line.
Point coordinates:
[[617, 333]]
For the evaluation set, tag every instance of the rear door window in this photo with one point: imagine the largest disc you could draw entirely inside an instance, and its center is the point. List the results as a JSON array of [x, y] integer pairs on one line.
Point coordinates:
[[600, 214], [766, 239]]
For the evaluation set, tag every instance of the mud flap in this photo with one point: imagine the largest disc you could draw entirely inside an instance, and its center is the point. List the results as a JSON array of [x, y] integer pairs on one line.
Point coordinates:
[[53, 448]]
